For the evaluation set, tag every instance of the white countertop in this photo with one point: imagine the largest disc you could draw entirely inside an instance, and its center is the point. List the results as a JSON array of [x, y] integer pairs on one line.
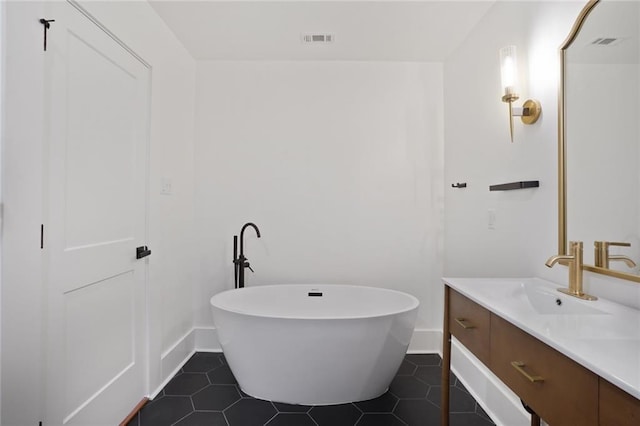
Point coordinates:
[[600, 335]]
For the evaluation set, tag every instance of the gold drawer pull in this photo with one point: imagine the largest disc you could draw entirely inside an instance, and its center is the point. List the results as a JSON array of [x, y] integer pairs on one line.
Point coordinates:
[[520, 367], [464, 324]]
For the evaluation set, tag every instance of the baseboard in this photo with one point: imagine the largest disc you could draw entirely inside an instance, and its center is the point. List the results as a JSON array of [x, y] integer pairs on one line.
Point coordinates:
[[198, 339], [174, 357], [206, 340], [172, 360], [425, 341]]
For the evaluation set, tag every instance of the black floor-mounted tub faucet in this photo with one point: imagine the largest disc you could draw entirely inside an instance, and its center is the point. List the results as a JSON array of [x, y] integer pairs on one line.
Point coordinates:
[[240, 262]]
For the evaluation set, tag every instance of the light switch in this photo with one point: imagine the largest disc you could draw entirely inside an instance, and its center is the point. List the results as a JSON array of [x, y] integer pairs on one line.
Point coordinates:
[[491, 218], [166, 186]]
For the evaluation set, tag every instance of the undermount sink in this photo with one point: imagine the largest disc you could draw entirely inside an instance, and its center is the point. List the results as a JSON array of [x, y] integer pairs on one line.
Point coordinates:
[[538, 297], [549, 301]]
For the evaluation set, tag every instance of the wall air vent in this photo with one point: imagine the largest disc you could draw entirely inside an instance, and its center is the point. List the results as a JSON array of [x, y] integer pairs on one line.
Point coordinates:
[[606, 41], [317, 38]]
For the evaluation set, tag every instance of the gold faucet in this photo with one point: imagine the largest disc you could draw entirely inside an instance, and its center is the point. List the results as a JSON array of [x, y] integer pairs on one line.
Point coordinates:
[[574, 259], [602, 256]]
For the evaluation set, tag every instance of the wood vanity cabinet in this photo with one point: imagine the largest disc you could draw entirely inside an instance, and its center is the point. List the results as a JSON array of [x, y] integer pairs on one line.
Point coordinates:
[[558, 389], [617, 407], [470, 323]]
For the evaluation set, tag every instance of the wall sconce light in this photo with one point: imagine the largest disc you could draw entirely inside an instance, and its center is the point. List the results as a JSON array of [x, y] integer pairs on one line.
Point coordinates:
[[531, 109]]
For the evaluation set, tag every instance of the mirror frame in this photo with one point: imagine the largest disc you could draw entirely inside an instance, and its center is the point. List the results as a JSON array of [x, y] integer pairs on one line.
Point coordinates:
[[562, 149]]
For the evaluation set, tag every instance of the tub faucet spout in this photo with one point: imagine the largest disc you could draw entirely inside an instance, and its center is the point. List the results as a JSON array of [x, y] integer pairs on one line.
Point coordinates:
[[240, 261]]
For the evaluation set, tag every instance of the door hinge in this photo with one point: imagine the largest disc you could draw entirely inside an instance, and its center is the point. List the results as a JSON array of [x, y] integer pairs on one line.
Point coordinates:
[[41, 236]]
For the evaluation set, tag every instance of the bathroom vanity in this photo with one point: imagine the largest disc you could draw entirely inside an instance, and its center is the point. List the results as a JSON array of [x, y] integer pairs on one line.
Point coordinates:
[[572, 362]]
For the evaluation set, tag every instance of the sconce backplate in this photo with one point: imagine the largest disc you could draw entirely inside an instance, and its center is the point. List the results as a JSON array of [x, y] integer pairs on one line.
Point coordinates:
[[532, 110]]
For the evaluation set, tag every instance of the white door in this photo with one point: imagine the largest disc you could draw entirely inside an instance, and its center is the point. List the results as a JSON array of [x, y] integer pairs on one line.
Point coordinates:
[[97, 115]]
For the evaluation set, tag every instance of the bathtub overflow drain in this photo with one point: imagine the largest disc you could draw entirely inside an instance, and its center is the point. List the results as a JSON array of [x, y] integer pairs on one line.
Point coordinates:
[[558, 302]]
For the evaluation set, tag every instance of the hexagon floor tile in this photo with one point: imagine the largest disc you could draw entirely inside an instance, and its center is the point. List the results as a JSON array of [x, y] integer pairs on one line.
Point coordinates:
[[216, 398], [186, 384], [205, 393]]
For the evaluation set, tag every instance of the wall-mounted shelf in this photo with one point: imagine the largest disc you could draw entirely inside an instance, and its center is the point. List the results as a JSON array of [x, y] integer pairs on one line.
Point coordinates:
[[515, 185]]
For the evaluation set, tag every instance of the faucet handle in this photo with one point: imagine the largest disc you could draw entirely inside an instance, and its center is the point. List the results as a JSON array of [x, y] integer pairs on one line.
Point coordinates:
[[247, 265], [575, 244], [602, 256], [599, 244], [619, 244], [575, 250]]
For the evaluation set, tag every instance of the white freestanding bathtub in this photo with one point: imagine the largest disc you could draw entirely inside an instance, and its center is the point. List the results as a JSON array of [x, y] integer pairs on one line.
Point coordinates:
[[314, 344]]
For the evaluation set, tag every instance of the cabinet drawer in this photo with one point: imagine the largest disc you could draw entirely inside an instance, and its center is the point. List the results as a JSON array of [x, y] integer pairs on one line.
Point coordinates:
[[561, 391], [469, 323], [617, 408]]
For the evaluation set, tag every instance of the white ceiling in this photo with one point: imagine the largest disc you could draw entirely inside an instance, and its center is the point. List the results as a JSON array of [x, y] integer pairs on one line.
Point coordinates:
[[363, 30]]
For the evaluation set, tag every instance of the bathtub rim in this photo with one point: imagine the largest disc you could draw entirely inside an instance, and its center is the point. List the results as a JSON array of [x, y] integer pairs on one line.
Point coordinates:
[[414, 305]]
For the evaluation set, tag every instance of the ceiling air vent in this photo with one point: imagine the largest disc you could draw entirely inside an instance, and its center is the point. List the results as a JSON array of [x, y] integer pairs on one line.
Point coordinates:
[[606, 41], [317, 38]]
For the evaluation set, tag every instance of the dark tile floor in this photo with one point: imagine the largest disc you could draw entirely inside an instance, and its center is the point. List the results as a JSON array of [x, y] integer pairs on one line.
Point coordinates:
[[205, 393]]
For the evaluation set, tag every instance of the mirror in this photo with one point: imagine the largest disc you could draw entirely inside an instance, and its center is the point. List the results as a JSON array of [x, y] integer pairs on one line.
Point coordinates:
[[599, 138]]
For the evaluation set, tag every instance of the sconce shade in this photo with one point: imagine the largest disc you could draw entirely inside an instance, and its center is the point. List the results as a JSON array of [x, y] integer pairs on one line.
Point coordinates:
[[530, 111], [509, 73]]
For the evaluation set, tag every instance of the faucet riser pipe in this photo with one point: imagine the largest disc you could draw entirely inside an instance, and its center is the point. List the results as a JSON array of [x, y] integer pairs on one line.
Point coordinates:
[[575, 269], [235, 261]]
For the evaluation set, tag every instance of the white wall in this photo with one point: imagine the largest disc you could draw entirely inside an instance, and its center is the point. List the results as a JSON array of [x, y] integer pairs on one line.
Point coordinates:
[[478, 151], [22, 292], [338, 163], [171, 235]]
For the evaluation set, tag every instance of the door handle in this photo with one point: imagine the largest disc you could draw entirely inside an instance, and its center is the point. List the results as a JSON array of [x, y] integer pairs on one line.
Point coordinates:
[[142, 251]]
